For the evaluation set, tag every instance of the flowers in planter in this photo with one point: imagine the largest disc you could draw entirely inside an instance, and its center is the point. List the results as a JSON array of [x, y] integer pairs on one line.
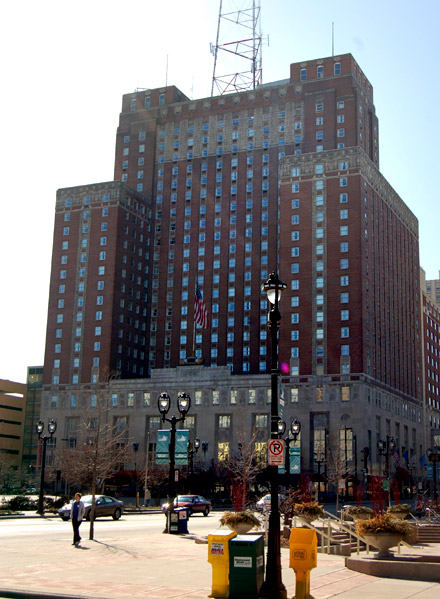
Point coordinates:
[[308, 509], [245, 517], [399, 509], [358, 509], [384, 523]]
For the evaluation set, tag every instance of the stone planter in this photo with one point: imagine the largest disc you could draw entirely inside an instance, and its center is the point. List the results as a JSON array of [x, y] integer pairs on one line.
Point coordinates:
[[383, 541], [307, 518], [240, 528], [399, 515], [364, 516]]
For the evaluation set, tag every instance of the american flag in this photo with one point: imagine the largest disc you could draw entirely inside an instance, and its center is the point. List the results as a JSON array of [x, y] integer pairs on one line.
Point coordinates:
[[201, 315]]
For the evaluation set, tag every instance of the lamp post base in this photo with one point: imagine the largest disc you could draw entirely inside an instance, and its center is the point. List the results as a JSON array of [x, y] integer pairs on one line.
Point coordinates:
[[272, 590]]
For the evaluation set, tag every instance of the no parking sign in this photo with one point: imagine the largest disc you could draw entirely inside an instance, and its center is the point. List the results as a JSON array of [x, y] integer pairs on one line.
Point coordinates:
[[276, 452]]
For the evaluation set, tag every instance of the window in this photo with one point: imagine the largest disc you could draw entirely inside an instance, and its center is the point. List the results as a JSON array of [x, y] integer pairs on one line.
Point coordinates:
[[337, 71], [224, 421], [294, 397], [343, 198], [260, 420], [320, 72], [343, 246], [223, 451], [341, 132], [344, 314], [343, 182], [345, 332], [345, 396], [344, 280], [303, 75], [345, 350], [345, 298]]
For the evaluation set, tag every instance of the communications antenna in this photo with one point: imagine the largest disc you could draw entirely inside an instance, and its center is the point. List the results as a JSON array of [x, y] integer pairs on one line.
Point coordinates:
[[245, 53]]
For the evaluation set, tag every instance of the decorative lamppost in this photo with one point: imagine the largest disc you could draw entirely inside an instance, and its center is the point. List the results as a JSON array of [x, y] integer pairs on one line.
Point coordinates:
[[366, 453], [204, 448], [387, 448], [183, 405], [295, 428], [434, 458], [319, 459], [194, 448], [51, 427], [273, 586], [135, 450]]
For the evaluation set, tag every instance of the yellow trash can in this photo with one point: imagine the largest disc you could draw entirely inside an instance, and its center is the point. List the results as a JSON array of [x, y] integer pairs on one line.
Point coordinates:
[[218, 557], [303, 544]]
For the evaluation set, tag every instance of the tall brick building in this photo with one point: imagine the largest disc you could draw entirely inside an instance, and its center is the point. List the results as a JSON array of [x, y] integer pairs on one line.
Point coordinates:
[[219, 191]]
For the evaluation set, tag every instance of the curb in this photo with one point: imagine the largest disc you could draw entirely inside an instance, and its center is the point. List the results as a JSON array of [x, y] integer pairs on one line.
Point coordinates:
[[8, 594]]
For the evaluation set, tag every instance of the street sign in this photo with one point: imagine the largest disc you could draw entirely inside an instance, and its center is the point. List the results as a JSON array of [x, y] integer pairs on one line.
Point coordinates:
[[276, 452]]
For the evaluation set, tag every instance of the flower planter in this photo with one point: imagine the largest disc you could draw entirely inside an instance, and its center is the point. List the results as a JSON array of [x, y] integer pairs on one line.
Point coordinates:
[[383, 541], [399, 515], [360, 516], [240, 528]]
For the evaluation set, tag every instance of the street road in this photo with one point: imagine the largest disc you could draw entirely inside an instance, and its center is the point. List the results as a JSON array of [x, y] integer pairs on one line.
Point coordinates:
[[53, 526]]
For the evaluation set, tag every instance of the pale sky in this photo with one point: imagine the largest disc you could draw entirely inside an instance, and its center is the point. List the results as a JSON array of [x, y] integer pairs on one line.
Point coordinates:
[[65, 67]]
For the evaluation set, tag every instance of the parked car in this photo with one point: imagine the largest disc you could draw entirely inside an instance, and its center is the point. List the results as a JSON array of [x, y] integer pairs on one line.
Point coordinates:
[[195, 503], [104, 506], [263, 504]]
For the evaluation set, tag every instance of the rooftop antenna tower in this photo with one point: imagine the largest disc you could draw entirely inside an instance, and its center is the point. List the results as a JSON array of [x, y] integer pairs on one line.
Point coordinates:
[[246, 53]]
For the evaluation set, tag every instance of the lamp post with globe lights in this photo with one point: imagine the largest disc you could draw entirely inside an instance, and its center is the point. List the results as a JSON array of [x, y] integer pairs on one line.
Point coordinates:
[[273, 586], [51, 427], [183, 405]]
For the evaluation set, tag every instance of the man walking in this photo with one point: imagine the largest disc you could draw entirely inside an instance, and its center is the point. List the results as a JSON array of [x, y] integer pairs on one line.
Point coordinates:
[[77, 513]]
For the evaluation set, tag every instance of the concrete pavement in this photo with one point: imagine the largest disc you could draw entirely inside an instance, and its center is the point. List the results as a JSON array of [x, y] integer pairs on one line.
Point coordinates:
[[157, 566]]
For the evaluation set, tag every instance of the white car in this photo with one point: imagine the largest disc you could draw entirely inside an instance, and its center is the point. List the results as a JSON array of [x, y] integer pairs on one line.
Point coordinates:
[[263, 504]]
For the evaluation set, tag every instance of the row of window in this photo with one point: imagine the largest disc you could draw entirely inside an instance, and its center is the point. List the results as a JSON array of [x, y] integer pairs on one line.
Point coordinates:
[[320, 71]]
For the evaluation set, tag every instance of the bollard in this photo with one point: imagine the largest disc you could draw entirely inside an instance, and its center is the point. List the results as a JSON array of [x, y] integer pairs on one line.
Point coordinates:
[[218, 557], [303, 545]]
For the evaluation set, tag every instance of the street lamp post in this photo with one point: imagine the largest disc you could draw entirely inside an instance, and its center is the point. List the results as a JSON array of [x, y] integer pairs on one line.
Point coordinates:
[[204, 448], [434, 458], [319, 459], [135, 450], [51, 427], [183, 405], [194, 448], [295, 427], [387, 448], [273, 586]]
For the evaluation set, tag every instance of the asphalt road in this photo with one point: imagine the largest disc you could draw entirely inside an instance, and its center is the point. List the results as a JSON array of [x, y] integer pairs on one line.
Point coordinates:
[[53, 526]]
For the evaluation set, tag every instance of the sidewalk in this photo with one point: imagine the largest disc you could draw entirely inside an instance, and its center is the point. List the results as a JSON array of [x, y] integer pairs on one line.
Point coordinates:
[[158, 566]]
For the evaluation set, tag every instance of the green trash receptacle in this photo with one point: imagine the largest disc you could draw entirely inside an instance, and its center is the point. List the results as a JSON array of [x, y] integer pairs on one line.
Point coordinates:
[[246, 566]]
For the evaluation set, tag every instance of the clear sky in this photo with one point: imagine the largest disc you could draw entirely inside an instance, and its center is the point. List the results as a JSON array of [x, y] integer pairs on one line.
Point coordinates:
[[65, 67]]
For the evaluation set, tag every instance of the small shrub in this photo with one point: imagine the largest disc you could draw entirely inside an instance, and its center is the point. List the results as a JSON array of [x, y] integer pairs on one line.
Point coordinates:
[[246, 517], [309, 508], [381, 524], [353, 510], [401, 508], [21, 502]]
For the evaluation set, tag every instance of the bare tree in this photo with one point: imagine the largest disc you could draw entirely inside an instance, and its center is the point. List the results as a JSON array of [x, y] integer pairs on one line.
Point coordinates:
[[336, 468], [244, 466], [101, 444]]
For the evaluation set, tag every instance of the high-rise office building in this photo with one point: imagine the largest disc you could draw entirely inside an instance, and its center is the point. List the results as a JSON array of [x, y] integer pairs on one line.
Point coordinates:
[[219, 192]]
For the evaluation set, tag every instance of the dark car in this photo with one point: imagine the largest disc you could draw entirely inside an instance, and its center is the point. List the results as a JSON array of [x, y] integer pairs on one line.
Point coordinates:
[[195, 503], [104, 506]]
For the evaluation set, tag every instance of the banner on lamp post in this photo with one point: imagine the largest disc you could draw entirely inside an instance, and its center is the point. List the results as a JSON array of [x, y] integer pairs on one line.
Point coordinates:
[[181, 454], [163, 447], [295, 460]]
